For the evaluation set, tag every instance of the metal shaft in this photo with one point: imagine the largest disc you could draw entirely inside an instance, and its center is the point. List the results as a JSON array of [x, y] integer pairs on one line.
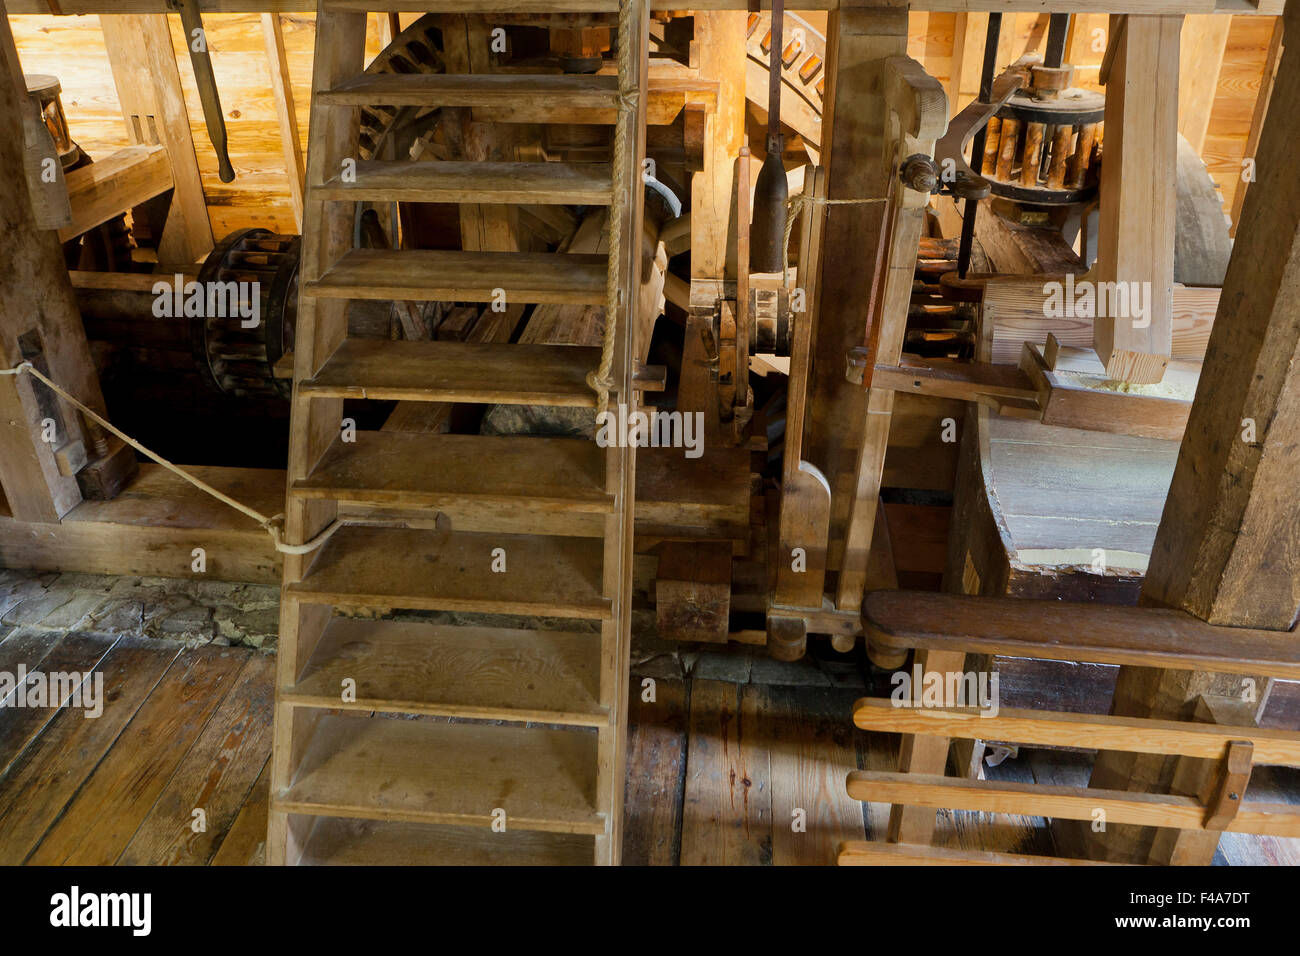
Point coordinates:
[[977, 144]]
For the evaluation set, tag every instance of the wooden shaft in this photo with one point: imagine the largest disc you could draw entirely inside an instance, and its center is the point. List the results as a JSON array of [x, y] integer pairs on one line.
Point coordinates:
[[991, 143], [1077, 169], [1033, 155], [1059, 157], [1007, 151]]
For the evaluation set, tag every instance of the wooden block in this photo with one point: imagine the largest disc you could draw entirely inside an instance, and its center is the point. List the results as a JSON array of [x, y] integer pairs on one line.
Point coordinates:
[[103, 478], [787, 637], [693, 591]]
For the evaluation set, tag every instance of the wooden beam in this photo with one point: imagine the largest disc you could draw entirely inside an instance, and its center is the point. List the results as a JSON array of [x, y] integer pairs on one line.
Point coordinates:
[[1204, 38], [1057, 630], [1136, 233], [115, 185], [149, 89], [286, 114], [39, 321], [871, 853], [1262, 98]]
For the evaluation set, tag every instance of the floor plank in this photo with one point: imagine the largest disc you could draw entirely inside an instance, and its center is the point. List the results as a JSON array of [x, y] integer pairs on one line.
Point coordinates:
[[656, 768], [216, 776], [71, 653], [809, 735], [142, 760], [245, 843], [727, 811], [47, 774]]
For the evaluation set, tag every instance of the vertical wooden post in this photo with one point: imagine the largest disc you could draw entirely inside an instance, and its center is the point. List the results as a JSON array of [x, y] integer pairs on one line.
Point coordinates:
[[1204, 38], [286, 113], [38, 318], [1138, 198], [149, 88], [1228, 547]]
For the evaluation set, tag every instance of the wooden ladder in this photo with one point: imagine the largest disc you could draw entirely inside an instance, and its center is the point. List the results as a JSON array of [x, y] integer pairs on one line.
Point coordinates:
[[402, 742]]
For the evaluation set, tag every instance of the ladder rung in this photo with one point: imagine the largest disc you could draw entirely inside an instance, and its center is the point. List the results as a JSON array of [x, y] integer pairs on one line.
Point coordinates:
[[339, 841], [425, 771], [427, 275], [385, 567], [407, 470], [484, 673], [536, 93], [587, 184], [474, 372]]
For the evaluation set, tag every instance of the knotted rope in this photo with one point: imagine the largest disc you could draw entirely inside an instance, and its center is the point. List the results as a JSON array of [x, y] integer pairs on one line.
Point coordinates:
[[601, 380], [795, 206]]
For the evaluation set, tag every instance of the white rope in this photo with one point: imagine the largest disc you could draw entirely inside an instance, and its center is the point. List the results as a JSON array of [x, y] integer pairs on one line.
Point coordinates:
[[795, 205], [272, 524]]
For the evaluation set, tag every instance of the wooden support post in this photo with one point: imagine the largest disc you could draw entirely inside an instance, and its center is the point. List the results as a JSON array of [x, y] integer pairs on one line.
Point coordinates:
[[286, 114], [39, 321], [149, 88], [1138, 197], [1228, 548], [842, 419], [1257, 117], [1203, 40]]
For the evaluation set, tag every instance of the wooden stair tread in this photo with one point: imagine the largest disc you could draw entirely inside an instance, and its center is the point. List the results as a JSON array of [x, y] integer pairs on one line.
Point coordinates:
[[1092, 633], [340, 841], [432, 771], [560, 90], [484, 673], [588, 184], [451, 275], [451, 571], [406, 469], [431, 371]]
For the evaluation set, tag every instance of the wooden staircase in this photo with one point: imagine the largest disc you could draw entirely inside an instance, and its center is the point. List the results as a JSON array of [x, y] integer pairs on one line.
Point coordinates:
[[410, 742]]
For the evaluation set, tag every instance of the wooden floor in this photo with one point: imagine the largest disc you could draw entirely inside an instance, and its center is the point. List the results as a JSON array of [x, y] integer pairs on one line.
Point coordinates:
[[719, 773]]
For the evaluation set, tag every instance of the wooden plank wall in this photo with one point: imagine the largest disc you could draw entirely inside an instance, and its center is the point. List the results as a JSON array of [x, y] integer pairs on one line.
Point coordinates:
[[72, 48]]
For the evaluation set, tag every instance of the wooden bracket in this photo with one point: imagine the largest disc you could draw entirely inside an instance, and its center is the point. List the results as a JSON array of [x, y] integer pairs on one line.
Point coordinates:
[[1230, 787]]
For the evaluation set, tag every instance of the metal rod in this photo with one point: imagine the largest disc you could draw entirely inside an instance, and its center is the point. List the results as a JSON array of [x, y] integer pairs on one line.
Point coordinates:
[[977, 144]]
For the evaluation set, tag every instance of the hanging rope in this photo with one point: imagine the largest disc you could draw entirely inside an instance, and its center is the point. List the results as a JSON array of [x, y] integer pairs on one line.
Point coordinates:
[[601, 379], [795, 206], [273, 524]]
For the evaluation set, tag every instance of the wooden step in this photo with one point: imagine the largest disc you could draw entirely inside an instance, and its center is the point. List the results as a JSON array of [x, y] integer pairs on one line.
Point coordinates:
[[538, 93], [452, 571], [1090, 633], [586, 184], [450, 275], [431, 771], [405, 469], [340, 841], [471, 6], [476, 372], [485, 673]]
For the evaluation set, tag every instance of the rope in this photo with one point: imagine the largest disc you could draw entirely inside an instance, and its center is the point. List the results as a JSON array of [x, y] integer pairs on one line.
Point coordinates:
[[601, 380], [796, 204], [272, 524]]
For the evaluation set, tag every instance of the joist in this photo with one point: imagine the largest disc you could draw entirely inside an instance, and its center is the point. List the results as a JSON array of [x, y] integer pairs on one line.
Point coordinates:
[[114, 185], [1058, 630], [430, 371], [461, 182], [450, 275]]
